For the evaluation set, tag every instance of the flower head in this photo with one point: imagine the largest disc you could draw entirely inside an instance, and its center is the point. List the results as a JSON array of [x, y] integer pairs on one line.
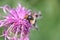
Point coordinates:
[[16, 26]]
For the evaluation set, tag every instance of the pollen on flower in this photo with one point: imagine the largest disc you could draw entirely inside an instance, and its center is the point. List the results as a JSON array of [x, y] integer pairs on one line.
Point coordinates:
[[16, 26]]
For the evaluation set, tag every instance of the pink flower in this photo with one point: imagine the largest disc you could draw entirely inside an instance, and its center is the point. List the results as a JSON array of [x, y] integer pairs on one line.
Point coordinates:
[[16, 27]]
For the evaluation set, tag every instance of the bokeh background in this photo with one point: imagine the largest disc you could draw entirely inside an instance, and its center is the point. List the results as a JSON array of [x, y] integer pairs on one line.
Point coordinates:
[[48, 25]]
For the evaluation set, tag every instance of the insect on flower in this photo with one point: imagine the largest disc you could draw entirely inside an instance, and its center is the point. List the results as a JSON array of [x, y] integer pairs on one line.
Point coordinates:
[[18, 22], [32, 19]]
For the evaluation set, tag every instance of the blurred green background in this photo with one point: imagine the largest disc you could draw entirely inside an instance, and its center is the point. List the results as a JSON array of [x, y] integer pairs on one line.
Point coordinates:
[[49, 24]]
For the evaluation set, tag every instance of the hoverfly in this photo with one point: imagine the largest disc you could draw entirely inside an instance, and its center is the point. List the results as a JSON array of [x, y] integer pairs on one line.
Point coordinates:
[[32, 19]]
